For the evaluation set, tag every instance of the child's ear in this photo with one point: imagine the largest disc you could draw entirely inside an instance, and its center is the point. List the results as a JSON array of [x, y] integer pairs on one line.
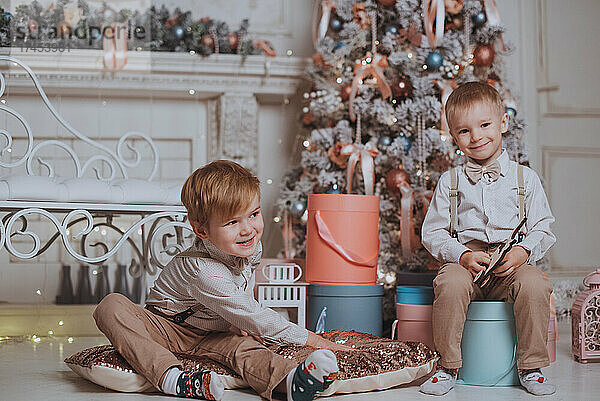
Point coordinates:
[[504, 123], [200, 230]]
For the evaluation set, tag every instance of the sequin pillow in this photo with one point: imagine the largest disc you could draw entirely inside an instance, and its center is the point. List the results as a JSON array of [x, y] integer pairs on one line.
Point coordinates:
[[378, 364]]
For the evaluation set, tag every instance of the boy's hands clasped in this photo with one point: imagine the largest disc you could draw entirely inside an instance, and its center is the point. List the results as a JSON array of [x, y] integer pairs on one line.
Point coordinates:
[[475, 261], [514, 259]]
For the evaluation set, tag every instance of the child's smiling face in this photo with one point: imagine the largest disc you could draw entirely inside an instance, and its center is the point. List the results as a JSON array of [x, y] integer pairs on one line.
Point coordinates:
[[478, 131], [239, 235]]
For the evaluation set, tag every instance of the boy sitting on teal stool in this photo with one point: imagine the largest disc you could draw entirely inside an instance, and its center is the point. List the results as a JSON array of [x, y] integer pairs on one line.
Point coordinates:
[[474, 210]]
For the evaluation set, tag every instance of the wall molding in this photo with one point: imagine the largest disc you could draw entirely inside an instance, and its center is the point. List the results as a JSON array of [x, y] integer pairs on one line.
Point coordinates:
[[545, 86]]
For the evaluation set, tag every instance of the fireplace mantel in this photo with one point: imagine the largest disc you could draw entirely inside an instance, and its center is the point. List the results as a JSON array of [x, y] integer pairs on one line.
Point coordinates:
[[165, 74]]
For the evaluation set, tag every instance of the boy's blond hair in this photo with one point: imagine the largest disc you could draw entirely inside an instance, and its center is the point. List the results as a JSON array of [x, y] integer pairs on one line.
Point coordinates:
[[221, 189], [468, 94]]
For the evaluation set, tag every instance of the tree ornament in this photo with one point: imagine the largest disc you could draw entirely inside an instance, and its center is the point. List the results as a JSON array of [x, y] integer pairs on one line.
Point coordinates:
[[336, 24], [483, 55], [454, 7], [402, 87], [396, 178], [32, 26], [7, 16], [208, 41], [512, 113], [64, 29], [384, 141], [179, 32], [456, 23], [345, 92], [334, 190], [339, 45], [392, 29], [479, 19], [307, 118], [234, 40], [298, 208], [387, 3], [405, 143], [360, 15], [434, 60]]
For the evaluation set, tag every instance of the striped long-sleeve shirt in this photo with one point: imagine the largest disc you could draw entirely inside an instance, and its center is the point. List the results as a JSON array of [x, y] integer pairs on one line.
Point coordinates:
[[220, 287]]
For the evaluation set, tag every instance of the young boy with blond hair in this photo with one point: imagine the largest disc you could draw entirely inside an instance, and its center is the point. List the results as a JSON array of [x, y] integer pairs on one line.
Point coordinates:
[[202, 303], [464, 231]]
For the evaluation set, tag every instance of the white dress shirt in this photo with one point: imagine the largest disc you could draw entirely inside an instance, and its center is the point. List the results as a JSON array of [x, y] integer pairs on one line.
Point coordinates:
[[221, 288], [488, 211]]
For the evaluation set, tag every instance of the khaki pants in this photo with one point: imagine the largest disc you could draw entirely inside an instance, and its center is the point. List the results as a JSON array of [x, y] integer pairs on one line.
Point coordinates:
[[147, 341], [527, 288]]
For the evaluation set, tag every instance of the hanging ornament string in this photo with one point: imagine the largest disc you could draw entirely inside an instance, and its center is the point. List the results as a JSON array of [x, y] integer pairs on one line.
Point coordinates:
[[287, 233], [213, 34], [434, 10], [364, 153], [467, 24], [373, 32], [420, 148]]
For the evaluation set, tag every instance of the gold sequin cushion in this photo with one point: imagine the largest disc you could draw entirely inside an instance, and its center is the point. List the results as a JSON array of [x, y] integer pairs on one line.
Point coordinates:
[[377, 364]]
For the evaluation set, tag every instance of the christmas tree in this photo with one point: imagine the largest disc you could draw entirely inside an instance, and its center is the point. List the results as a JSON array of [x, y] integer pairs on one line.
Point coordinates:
[[380, 75]]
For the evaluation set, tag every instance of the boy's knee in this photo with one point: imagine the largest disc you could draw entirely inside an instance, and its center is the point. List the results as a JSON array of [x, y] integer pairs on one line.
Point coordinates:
[[108, 307], [453, 280], [532, 281]]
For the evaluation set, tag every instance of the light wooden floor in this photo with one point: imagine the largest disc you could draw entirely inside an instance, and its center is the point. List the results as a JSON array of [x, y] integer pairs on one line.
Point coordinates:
[[30, 371]]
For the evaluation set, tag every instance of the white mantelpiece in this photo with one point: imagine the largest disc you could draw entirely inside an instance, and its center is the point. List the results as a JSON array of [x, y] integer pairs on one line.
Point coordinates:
[[159, 73], [231, 85]]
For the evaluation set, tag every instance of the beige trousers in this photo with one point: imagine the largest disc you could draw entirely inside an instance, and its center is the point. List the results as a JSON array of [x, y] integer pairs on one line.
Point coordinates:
[[527, 288], [147, 341]]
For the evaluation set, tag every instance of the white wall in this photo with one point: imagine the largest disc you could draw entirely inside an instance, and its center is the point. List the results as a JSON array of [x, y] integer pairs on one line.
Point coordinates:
[[179, 127]]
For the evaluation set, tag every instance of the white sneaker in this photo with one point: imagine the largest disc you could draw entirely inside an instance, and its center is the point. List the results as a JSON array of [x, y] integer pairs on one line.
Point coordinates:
[[440, 383], [535, 382]]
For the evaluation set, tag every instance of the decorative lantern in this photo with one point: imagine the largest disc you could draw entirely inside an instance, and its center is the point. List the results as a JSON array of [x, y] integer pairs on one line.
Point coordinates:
[[585, 320]]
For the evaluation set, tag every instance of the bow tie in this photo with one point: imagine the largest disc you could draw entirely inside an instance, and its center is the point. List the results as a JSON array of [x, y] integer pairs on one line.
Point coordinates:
[[475, 171]]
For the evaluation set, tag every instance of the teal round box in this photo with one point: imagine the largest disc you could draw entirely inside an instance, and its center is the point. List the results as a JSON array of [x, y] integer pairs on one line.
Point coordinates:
[[489, 345], [414, 295], [349, 307]]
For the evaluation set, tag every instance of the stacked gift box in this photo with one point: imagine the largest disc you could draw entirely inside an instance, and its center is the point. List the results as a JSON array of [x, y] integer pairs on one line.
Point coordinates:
[[341, 263]]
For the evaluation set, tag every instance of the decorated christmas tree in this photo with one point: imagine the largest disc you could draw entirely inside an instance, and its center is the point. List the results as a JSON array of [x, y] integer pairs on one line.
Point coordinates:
[[373, 119]]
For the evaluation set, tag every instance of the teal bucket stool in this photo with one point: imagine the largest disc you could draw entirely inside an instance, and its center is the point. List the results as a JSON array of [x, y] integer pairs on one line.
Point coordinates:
[[489, 345]]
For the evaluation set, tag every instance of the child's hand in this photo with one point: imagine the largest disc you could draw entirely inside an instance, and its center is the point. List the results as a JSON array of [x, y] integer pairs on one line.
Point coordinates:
[[474, 261], [316, 341], [514, 259]]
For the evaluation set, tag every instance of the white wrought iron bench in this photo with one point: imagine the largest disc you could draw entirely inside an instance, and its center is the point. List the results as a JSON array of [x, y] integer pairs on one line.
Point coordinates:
[[80, 206]]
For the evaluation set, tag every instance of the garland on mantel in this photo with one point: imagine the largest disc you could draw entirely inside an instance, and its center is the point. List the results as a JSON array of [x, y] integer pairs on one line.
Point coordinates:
[[69, 24]]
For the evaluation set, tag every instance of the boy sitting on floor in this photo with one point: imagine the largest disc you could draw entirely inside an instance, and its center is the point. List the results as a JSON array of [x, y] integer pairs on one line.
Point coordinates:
[[474, 209], [202, 303]]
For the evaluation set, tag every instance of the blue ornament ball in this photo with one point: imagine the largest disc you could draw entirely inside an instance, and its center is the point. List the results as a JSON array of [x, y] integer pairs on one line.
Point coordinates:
[[333, 191], [434, 60], [479, 19], [512, 113], [179, 32], [384, 141], [336, 24], [405, 143], [297, 209], [339, 45], [7, 16], [391, 29]]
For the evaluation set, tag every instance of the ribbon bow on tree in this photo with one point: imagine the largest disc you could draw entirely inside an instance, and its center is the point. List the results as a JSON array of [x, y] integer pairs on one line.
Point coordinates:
[[114, 46], [363, 153], [323, 8], [372, 65]]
